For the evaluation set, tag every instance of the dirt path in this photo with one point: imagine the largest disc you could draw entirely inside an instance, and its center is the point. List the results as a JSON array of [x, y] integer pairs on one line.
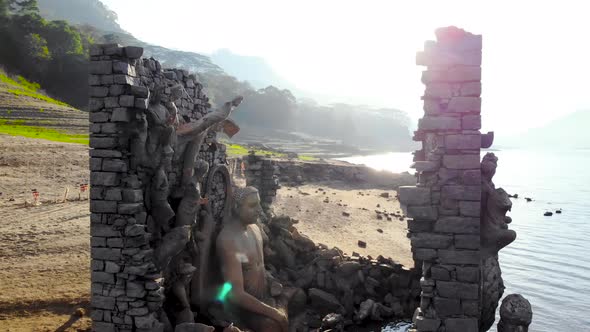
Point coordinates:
[[320, 208], [44, 250]]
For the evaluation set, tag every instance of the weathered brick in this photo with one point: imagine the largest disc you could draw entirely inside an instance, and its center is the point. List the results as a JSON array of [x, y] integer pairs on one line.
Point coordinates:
[[422, 212], [132, 195], [109, 128], [467, 241], [113, 194], [99, 117], [468, 274], [425, 166], [103, 327], [457, 290], [102, 277], [139, 91], [103, 142], [427, 324], [470, 308], [440, 273], [459, 256], [95, 164], [101, 153], [471, 177], [447, 307], [439, 57], [116, 90], [461, 161], [457, 225], [461, 193], [411, 195], [471, 89], [142, 103], [470, 208], [432, 241], [461, 325], [102, 302], [111, 102], [424, 254], [471, 122], [95, 104], [107, 254], [125, 80], [463, 142], [439, 123], [104, 179], [122, 115], [464, 105], [100, 67], [97, 206], [438, 90], [127, 101], [130, 208], [99, 230], [120, 67], [114, 165], [98, 91], [420, 225], [133, 52]]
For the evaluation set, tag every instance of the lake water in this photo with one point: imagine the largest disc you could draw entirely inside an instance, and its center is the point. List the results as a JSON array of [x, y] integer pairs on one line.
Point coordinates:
[[549, 263]]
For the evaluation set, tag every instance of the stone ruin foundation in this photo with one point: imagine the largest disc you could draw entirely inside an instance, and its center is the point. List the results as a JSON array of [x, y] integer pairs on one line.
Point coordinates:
[[155, 157]]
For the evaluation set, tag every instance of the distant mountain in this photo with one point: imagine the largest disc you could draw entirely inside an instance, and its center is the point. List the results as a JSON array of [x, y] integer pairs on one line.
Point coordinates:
[[568, 132], [92, 12], [253, 69], [97, 20]]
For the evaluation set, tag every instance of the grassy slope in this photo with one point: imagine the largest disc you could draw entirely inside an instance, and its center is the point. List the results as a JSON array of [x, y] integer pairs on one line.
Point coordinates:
[[26, 111]]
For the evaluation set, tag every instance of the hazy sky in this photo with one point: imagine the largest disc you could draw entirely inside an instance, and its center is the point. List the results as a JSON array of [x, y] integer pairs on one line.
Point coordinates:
[[536, 56]]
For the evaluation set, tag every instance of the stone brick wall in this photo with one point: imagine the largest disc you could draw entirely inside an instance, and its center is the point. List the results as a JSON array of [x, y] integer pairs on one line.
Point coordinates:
[[262, 173], [127, 287], [445, 203]]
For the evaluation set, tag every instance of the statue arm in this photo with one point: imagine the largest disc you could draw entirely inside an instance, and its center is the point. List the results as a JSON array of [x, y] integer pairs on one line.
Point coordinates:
[[231, 269], [209, 120]]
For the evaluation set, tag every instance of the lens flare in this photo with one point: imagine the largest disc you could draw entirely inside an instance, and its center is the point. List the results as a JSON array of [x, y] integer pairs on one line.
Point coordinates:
[[224, 291]]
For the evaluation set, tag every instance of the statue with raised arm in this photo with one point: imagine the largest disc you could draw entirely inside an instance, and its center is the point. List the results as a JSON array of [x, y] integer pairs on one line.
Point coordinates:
[[239, 250]]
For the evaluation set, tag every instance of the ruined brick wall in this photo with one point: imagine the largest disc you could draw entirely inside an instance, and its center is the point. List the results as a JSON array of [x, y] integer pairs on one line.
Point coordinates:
[[445, 203], [127, 292], [262, 173]]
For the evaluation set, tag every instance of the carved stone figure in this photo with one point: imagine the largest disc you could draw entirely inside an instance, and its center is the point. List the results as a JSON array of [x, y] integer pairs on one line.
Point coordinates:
[[239, 250], [495, 235], [515, 314]]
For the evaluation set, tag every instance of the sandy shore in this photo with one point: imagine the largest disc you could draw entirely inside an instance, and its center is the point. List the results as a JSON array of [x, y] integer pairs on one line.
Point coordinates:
[[321, 208]]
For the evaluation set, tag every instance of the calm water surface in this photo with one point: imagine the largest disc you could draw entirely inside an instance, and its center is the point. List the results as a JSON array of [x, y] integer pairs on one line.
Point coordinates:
[[549, 263]]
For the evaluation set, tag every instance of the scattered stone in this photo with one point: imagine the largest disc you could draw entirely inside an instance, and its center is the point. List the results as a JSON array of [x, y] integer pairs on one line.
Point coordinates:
[[558, 211], [384, 195], [548, 214], [380, 230], [528, 199], [362, 244], [346, 214]]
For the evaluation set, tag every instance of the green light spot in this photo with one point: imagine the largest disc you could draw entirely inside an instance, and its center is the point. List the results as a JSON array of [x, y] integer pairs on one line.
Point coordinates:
[[225, 289]]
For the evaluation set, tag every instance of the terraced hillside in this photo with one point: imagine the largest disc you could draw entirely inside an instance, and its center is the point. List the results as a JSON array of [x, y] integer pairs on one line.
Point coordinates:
[[26, 111]]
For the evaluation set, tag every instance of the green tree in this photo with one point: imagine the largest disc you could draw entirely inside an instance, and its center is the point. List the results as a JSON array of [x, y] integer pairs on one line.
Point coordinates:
[[63, 39], [36, 47], [3, 9], [22, 7]]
